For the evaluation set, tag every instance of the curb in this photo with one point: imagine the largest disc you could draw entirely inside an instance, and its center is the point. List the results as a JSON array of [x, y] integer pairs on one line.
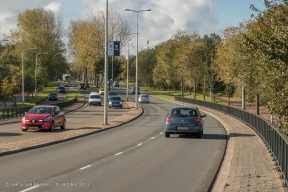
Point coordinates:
[[99, 129]]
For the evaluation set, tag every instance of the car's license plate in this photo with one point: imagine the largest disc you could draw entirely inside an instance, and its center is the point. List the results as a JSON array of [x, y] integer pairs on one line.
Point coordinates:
[[183, 128], [33, 127], [94, 103]]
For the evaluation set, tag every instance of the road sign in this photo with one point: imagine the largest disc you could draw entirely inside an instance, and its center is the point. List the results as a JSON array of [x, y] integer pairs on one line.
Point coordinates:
[[113, 48]]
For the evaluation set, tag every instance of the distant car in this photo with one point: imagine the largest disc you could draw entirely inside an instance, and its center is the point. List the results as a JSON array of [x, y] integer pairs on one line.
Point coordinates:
[[143, 98], [133, 90], [101, 91], [115, 101], [82, 86], [115, 84], [61, 90], [43, 117], [66, 84], [95, 99], [110, 93], [184, 120], [52, 96], [87, 85]]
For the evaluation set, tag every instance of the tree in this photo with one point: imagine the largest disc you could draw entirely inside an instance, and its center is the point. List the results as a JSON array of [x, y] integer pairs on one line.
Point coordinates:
[[266, 38], [6, 89], [16, 87], [41, 29]]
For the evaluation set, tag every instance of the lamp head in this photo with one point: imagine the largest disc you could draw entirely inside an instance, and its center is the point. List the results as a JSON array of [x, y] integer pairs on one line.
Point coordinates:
[[127, 10]]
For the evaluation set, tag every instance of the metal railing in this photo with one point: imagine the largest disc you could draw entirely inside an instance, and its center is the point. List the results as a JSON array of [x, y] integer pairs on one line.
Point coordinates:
[[275, 140], [14, 112], [66, 103]]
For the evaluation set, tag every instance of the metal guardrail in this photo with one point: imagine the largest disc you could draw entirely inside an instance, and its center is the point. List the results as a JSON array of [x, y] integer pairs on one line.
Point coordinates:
[[275, 141], [14, 112], [67, 103]]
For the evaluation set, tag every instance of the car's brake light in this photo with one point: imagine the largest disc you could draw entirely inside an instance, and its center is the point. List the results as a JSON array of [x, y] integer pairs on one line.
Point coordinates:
[[169, 119], [197, 120]]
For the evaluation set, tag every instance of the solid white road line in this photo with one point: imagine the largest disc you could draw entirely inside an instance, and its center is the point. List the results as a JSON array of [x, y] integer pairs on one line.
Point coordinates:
[[161, 133], [85, 167], [119, 153], [30, 188]]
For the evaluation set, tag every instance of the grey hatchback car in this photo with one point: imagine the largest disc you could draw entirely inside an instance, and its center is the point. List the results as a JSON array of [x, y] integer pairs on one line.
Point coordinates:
[[184, 120]]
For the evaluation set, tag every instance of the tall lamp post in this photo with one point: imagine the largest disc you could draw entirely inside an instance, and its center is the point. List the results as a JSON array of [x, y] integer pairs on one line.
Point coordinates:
[[23, 100], [127, 84], [136, 90], [44, 53]]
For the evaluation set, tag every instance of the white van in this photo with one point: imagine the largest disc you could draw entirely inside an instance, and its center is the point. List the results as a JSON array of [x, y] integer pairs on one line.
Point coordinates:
[[94, 99]]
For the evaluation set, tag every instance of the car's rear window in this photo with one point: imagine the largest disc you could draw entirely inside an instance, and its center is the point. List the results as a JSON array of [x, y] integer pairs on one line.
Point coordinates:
[[95, 97], [115, 98], [183, 112]]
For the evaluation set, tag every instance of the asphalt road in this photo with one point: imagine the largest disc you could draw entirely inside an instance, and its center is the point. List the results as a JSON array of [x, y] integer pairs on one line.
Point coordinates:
[[130, 158]]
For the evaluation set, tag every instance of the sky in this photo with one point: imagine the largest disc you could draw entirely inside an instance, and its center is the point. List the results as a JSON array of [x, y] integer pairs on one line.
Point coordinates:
[[155, 26]]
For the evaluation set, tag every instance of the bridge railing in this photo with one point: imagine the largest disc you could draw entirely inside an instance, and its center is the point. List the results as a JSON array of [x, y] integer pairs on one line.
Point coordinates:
[[275, 140]]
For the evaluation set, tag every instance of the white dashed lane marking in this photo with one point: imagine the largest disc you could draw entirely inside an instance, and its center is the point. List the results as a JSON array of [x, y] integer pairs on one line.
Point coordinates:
[[85, 167], [119, 153], [30, 188]]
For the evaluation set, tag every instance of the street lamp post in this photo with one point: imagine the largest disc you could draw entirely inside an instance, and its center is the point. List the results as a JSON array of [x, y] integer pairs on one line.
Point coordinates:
[[106, 65], [136, 90], [36, 70], [127, 84], [23, 100]]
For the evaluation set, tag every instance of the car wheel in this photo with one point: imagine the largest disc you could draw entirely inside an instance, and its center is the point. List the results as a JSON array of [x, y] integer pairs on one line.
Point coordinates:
[[63, 126], [24, 129], [199, 134], [121, 107], [167, 134], [52, 127], [202, 132], [109, 107]]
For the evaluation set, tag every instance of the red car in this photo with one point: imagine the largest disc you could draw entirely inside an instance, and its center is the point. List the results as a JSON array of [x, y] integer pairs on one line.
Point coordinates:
[[43, 117]]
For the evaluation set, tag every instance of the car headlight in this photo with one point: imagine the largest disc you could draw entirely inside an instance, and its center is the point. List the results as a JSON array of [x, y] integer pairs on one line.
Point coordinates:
[[110, 102], [121, 103], [23, 119], [47, 119]]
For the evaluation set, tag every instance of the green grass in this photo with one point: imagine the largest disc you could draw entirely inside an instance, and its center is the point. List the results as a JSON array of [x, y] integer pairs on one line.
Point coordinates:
[[71, 95], [41, 96]]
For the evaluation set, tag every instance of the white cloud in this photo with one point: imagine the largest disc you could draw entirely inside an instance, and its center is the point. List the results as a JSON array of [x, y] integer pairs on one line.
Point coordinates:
[[166, 17], [55, 7]]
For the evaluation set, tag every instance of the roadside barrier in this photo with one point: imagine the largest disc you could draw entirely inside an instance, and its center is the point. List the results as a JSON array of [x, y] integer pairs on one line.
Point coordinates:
[[275, 141], [14, 112]]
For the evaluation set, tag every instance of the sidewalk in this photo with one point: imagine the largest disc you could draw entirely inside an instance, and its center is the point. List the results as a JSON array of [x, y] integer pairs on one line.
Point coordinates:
[[27, 144]]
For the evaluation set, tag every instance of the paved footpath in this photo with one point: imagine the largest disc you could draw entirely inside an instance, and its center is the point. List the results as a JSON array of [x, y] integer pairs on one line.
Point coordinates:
[[26, 144], [247, 165]]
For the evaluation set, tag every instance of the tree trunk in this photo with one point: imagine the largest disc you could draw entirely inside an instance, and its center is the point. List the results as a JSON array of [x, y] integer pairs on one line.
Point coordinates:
[[243, 95], [204, 90], [257, 104], [14, 101], [194, 88]]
